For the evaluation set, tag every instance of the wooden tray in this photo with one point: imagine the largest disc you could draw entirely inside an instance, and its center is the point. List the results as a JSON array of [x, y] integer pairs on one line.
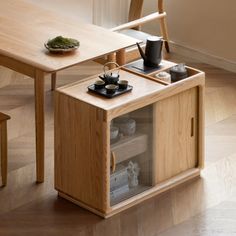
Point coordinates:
[[103, 92]]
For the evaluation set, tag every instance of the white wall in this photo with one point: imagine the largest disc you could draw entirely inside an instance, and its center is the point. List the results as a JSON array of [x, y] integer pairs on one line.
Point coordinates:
[[106, 13], [205, 25], [110, 13], [77, 9]]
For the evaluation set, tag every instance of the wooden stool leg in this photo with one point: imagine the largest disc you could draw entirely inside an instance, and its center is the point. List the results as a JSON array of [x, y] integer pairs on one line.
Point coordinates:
[[120, 57], [163, 27], [53, 81], [4, 152]]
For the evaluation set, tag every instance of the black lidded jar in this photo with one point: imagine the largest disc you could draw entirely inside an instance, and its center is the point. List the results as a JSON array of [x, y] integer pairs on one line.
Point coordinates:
[[178, 72]]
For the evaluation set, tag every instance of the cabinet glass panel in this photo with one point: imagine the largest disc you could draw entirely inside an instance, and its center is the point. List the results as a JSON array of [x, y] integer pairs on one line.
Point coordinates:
[[131, 140]]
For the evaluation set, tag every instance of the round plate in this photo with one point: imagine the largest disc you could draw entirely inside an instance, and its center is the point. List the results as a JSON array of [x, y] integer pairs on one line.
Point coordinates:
[[60, 50]]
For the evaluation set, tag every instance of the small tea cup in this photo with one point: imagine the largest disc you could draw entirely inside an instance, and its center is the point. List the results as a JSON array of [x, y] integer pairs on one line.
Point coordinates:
[[99, 84], [123, 84], [111, 88]]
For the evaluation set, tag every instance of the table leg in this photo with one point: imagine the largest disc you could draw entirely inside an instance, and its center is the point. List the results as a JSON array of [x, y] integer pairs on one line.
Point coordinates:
[[111, 58], [120, 57], [53, 81], [3, 131], [39, 124]]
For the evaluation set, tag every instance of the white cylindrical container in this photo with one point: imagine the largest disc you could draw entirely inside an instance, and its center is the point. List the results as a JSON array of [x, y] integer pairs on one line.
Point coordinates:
[[164, 76]]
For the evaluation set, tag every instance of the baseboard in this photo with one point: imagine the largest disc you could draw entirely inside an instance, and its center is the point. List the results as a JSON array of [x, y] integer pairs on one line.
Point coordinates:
[[203, 56]]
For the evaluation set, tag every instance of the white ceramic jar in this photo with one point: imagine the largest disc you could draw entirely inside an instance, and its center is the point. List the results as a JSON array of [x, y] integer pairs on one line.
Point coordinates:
[[164, 76]]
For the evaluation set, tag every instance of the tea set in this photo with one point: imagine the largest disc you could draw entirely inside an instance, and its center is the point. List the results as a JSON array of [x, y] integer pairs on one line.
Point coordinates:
[[109, 84]]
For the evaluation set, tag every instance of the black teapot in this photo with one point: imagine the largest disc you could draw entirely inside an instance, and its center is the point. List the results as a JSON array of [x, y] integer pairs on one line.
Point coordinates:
[[111, 77], [152, 56]]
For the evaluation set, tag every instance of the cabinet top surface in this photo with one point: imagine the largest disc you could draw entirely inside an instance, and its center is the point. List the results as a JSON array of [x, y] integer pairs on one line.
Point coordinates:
[[141, 87], [25, 27]]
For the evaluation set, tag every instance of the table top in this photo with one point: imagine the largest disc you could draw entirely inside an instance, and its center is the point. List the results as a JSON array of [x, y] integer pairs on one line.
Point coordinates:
[[25, 27], [141, 87]]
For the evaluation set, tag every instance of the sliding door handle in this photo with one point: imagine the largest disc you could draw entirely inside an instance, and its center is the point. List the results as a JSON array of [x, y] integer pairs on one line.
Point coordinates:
[[192, 126], [113, 162]]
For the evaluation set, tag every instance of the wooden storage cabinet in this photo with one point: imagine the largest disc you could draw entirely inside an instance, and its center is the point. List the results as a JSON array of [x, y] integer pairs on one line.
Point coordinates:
[[165, 148]]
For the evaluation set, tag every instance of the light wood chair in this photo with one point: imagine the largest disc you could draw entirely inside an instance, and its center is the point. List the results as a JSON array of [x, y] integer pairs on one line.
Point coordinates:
[[135, 21], [133, 27], [3, 147]]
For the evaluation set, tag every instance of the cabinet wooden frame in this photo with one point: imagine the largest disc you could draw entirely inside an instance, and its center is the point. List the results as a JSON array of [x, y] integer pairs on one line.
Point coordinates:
[[82, 129]]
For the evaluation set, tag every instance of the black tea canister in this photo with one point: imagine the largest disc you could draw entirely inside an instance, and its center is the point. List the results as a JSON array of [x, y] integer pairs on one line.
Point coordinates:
[[178, 72]]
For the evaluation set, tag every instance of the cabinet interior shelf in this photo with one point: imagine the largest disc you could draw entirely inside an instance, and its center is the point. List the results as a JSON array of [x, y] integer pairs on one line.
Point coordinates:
[[128, 147]]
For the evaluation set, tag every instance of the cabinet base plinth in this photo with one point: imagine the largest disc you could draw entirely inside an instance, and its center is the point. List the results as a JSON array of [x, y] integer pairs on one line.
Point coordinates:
[[160, 188], [83, 205]]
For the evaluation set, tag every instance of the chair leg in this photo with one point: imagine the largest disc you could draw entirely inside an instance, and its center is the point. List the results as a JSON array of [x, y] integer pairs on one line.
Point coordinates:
[[4, 152], [167, 47], [53, 81], [163, 27]]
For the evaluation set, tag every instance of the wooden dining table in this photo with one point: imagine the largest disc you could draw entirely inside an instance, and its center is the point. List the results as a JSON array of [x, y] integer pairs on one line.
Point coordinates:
[[25, 27]]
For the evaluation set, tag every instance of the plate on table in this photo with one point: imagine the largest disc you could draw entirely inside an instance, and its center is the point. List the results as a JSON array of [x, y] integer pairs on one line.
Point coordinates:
[[62, 45], [60, 50]]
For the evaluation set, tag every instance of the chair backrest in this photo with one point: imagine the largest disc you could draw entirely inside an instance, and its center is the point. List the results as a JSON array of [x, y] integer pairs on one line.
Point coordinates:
[[135, 18], [135, 9], [160, 6]]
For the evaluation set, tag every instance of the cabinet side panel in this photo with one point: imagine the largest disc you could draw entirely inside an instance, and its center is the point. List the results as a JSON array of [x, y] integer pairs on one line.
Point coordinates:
[[81, 151], [175, 134]]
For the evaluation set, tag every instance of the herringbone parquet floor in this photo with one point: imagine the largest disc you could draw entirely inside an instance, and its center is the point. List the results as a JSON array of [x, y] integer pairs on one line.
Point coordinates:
[[206, 206]]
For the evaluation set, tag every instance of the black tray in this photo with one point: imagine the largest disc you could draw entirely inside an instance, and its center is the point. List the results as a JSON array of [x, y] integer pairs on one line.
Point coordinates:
[[103, 92], [139, 67]]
